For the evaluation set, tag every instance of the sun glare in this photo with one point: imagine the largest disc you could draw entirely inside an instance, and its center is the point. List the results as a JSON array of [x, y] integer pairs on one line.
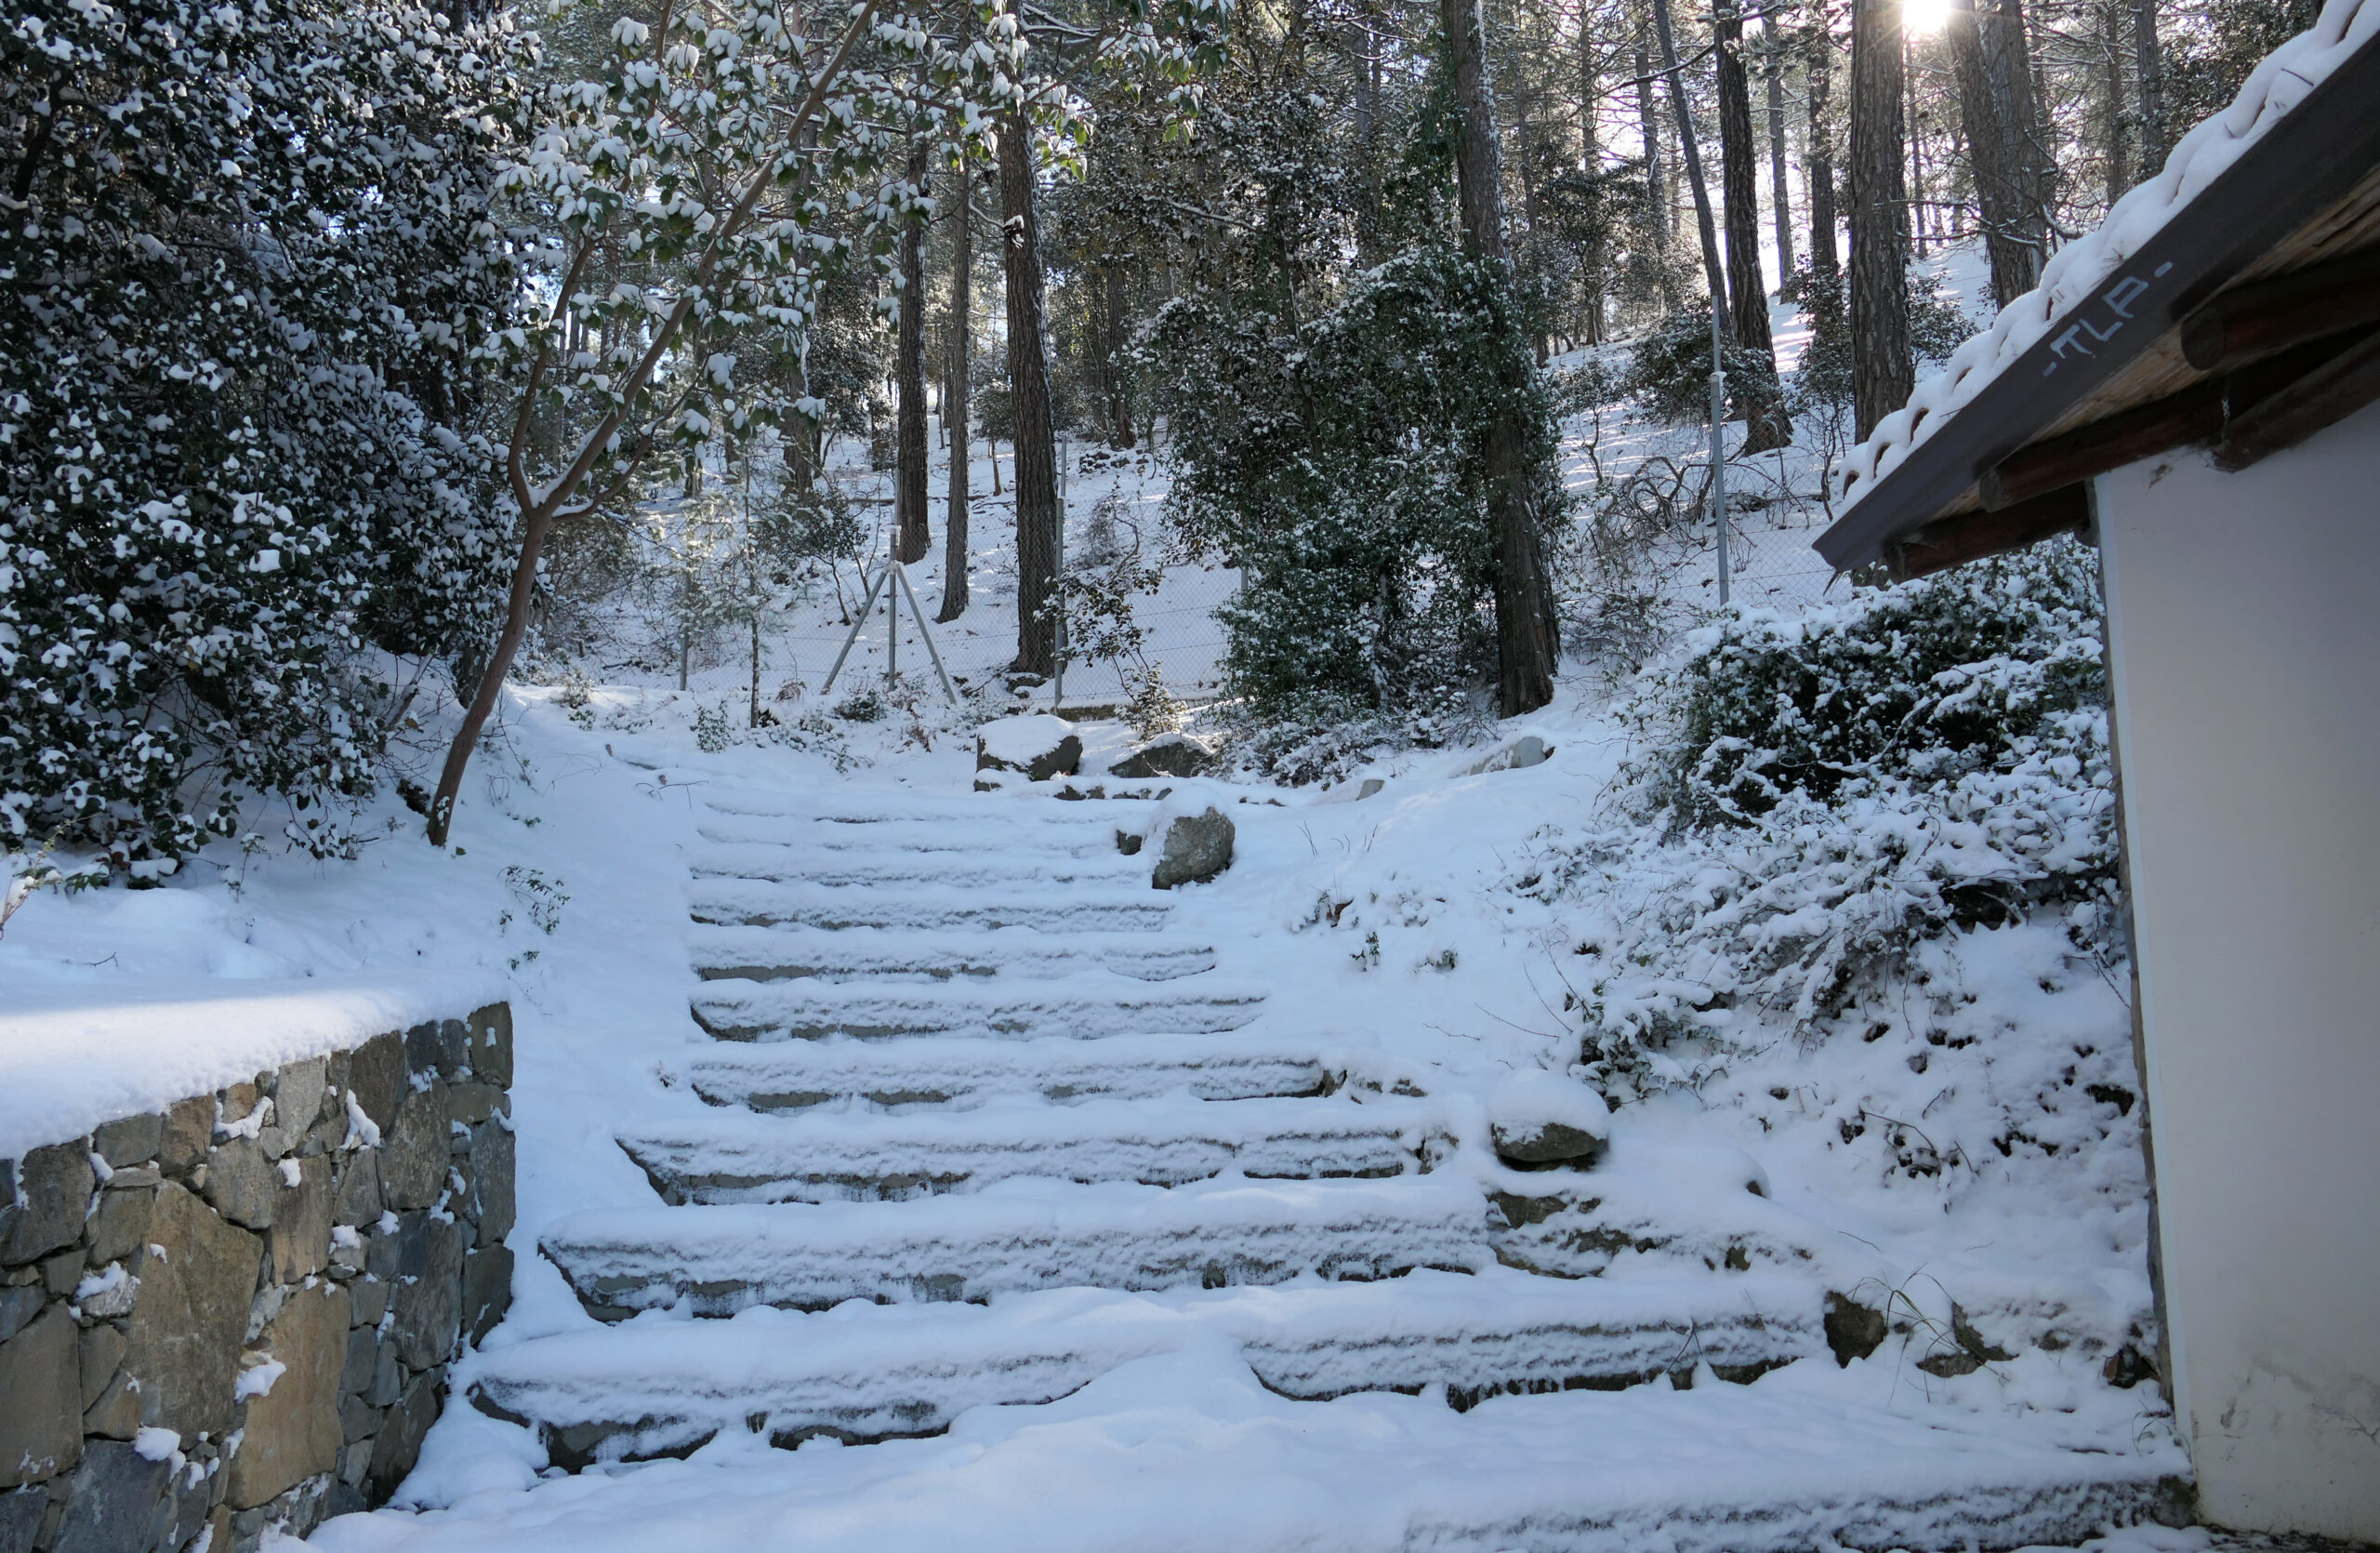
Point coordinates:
[[1925, 16]]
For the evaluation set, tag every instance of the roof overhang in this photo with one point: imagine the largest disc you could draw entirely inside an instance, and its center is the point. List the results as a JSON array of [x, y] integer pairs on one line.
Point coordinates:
[[2251, 320]]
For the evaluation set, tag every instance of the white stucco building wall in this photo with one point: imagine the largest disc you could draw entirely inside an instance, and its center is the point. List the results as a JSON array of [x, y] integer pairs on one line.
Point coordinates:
[[2245, 623]]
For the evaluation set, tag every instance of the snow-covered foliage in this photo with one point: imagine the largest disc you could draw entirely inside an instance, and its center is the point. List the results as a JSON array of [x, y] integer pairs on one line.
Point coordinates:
[[1341, 468], [249, 251], [1814, 799]]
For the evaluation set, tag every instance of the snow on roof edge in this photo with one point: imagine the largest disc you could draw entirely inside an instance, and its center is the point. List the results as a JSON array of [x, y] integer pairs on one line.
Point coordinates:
[[2285, 78], [71, 1058]]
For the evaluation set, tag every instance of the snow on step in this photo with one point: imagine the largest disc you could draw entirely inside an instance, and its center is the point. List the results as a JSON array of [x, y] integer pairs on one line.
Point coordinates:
[[1018, 1237], [760, 903], [977, 833], [775, 954], [1190, 1450], [1089, 1006], [862, 1372], [936, 1070], [860, 808], [829, 1157], [855, 870]]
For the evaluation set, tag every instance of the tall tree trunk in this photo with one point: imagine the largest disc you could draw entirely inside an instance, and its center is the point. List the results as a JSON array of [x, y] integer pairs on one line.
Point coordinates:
[[1882, 372], [1035, 438], [2115, 112], [1656, 198], [1994, 87], [1766, 423], [909, 367], [1527, 632], [1819, 68], [1591, 161], [955, 537], [1367, 249], [2149, 64], [1917, 207], [1690, 152], [1781, 187], [1116, 318]]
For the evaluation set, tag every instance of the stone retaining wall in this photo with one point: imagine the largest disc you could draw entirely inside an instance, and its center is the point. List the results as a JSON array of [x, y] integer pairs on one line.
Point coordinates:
[[239, 1313]]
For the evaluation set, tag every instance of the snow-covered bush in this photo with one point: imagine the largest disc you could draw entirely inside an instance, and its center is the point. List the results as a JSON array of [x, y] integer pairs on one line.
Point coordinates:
[[1816, 798], [1342, 470], [250, 253]]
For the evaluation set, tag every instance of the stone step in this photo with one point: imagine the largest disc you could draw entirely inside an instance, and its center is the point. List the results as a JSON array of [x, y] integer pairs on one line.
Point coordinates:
[[956, 810], [1018, 1237], [759, 903], [1084, 1006], [1070, 837], [857, 870], [862, 1373], [793, 953], [831, 1157], [933, 1070]]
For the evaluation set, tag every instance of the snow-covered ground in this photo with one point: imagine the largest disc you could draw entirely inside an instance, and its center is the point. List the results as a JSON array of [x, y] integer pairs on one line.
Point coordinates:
[[1388, 931], [1975, 1176]]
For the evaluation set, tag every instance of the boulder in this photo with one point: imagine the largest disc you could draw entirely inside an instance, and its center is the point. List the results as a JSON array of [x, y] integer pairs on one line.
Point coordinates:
[[241, 1184], [293, 1430], [186, 1331], [120, 1229], [20, 1303], [20, 1513], [301, 1240], [1172, 755], [493, 1171], [130, 1141], [357, 1198], [1852, 1330], [1519, 755], [412, 1153], [53, 1189], [1540, 1119], [398, 1445], [41, 1401], [1041, 746], [117, 1502], [488, 1289], [188, 1133], [376, 1074], [1197, 848], [429, 1299], [489, 1033], [298, 1097]]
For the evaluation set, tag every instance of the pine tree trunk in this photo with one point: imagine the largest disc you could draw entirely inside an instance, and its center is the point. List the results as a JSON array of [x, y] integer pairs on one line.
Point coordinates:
[[955, 537], [1993, 85], [1034, 437], [1767, 425], [2115, 114], [1657, 199], [1713, 276], [1825, 257], [1591, 160], [2149, 64], [1882, 372], [1527, 632], [1116, 318], [909, 370], [1781, 187]]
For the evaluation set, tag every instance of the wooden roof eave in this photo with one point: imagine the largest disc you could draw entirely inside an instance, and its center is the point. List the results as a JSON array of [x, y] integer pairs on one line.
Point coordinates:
[[2306, 193]]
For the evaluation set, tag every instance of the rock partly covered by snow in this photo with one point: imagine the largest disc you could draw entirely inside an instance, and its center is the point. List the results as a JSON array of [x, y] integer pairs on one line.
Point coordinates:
[[1040, 745], [1167, 755], [1197, 848], [1539, 1118], [74, 1056]]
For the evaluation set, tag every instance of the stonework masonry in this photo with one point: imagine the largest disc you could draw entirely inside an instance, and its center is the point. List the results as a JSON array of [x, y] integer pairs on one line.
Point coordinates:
[[239, 1313]]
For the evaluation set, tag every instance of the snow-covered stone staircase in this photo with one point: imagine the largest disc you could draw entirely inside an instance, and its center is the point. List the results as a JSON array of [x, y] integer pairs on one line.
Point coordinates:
[[988, 1126]]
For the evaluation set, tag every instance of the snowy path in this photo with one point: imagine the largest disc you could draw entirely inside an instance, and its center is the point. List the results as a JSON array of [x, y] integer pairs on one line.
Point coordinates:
[[1013, 1180]]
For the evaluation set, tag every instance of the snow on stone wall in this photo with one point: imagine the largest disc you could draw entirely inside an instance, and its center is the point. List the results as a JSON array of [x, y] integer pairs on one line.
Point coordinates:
[[235, 1309]]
